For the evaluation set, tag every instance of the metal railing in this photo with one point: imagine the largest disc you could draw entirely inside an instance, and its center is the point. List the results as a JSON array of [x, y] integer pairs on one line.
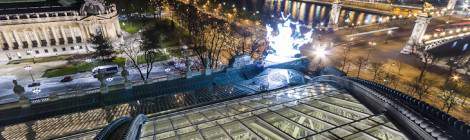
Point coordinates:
[[456, 128], [134, 129], [106, 132]]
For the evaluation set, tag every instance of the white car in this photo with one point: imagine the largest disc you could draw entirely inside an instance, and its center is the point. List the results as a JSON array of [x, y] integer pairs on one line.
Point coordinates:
[[106, 69]]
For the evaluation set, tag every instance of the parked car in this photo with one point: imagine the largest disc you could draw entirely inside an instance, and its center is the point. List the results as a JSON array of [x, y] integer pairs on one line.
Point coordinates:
[[66, 79], [106, 69]]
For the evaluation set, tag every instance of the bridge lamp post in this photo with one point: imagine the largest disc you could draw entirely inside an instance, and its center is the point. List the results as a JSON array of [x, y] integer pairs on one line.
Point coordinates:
[[389, 34], [371, 44]]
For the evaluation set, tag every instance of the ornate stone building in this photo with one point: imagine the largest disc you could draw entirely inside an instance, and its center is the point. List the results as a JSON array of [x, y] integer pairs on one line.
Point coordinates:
[[42, 28]]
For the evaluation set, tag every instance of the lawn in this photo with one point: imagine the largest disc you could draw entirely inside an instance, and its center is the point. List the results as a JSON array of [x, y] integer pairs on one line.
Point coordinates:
[[41, 59], [131, 26], [69, 69]]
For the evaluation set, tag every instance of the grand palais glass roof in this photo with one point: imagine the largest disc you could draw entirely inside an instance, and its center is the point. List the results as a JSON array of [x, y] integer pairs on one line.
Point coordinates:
[[312, 111]]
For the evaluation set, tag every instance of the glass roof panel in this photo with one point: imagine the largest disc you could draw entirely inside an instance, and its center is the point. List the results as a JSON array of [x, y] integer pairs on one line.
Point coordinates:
[[163, 125], [347, 104], [191, 136], [253, 104], [237, 131], [336, 110], [285, 125], [212, 114], [186, 130], [360, 136], [322, 136], [147, 129], [385, 133], [166, 135], [262, 129], [214, 133], [196, 118], [313, 111], [305, 120], [180, 121]]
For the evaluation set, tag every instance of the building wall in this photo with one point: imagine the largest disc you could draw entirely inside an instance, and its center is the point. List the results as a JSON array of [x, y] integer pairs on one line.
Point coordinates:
[[55, 33]]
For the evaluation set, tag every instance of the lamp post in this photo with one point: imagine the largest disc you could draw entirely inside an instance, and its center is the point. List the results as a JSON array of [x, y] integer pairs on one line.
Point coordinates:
[[31, 53], [29, 68], [389, 34], [371, 44], [320, 53]]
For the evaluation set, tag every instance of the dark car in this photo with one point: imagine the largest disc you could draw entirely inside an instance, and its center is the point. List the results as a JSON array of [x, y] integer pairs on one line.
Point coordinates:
[[66, 79]]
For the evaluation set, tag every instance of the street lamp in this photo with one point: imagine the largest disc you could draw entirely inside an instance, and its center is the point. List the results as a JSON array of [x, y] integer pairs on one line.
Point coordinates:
[[320, 53], [371, 44], [455, 77], [29, 68], [31, 53], [389, 34]]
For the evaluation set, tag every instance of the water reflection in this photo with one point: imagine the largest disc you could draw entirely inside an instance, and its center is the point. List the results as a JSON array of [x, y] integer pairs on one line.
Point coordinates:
[[308, 13], [311, 13]]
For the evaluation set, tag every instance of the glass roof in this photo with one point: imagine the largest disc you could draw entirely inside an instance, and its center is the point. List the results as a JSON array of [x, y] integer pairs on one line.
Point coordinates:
[[312, 111]]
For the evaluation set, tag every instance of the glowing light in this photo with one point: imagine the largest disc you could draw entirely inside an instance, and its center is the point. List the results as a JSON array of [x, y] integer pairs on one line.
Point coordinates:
[[320, 52], [285, 43], [455, 77]]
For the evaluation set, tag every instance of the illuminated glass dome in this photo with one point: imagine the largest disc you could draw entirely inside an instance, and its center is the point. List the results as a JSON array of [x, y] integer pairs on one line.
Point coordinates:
[[92, 7]]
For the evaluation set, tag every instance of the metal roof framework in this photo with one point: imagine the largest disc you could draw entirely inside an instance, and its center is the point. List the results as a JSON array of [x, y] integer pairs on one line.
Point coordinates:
[[311, 111]]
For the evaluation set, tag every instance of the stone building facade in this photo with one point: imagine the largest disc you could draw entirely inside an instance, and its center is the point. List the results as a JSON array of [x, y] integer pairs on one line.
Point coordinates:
[[54, 30]]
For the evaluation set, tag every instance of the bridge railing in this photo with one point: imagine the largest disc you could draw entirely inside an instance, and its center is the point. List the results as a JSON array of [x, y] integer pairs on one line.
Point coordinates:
[[455, 127], [449, 33]]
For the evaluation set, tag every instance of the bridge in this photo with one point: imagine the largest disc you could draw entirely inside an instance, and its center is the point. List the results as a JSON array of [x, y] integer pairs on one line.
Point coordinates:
[[435, 40], [375, 7]]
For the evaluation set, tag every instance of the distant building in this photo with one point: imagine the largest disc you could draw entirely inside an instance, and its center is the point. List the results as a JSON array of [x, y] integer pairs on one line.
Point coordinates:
[[39, 28]]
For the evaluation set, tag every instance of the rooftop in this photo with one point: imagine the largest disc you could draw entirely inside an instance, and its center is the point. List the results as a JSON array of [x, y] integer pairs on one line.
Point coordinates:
[[311, 111], [37, 6]]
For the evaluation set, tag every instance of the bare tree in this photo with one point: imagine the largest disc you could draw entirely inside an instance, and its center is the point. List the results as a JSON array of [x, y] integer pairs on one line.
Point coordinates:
[[376, 69], [454, 63], [360, 62], [428, 59], [464, 90], [145, 54], [345, 55], [423, 88], [449, 95]]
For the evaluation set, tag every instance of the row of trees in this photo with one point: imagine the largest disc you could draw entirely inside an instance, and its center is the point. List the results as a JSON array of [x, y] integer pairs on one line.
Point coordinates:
[[421, 85], [212, 40]]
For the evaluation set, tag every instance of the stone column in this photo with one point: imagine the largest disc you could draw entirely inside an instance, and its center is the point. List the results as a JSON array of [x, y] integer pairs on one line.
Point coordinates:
[[117, 26], [64, 36], [334, 15], [104, 30], [72, 33], [27, 38], [451, 5], [17, 39], [84, 33], [54, 34], [46, 37], [7, 40], [416, 37], [36, 37]]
